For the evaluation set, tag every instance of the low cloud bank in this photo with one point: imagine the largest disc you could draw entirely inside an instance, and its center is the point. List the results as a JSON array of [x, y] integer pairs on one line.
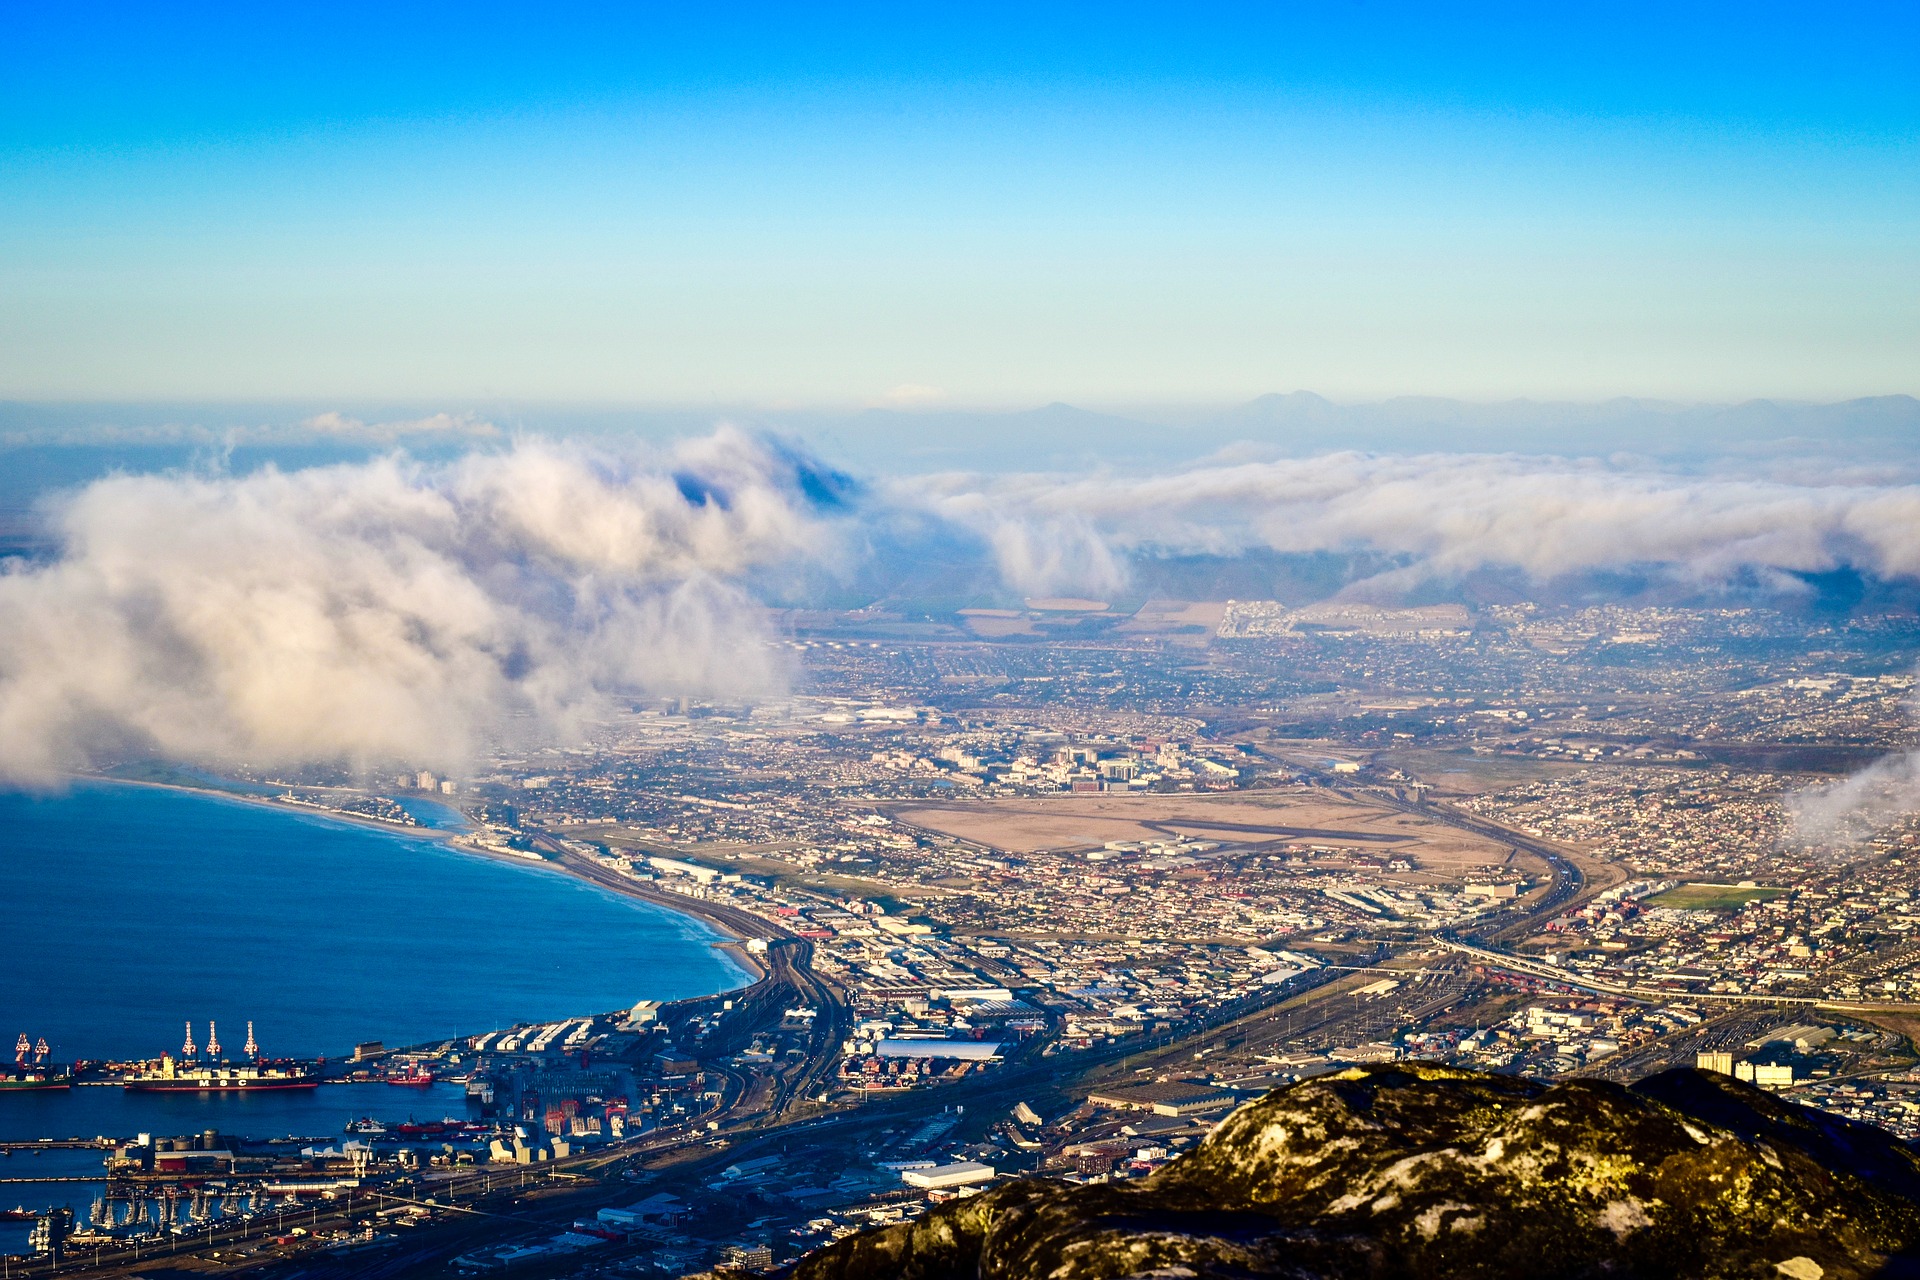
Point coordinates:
[[393, 610], [396, 610], [1439, 515]]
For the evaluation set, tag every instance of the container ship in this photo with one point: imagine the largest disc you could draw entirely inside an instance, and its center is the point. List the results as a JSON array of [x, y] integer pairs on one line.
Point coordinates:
[[36, 1074], [187, 1075]]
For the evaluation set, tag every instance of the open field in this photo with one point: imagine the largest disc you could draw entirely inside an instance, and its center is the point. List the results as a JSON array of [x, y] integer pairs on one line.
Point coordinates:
[[1198, 617], [992, 624], [1308, 816], [1464, 773], [1712, 897]]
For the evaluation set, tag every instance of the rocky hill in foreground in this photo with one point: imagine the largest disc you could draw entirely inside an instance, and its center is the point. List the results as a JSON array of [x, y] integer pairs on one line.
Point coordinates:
[[1416, 1171]]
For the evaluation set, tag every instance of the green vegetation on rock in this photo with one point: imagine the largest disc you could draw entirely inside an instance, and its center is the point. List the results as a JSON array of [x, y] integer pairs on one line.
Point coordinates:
[[1413, 1171]]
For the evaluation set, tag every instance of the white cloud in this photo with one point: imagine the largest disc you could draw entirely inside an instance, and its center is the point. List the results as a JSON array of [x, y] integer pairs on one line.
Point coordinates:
[[396, 610], [1446, 514], [1857, 807], [335, 425], [390, 610]]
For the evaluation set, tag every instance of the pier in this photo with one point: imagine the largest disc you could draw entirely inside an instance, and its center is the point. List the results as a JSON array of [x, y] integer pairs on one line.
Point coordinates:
[[15, 1182], [58, 1144]]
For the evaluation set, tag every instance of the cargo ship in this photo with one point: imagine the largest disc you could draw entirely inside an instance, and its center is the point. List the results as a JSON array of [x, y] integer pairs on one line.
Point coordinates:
[[36, 1074], [168, 1076], [189, 1076], [413, 1076]]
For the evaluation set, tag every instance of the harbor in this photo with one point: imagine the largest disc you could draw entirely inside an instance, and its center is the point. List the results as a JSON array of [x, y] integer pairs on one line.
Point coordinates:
[[105, 1063], [522, 1102], [154, 903]]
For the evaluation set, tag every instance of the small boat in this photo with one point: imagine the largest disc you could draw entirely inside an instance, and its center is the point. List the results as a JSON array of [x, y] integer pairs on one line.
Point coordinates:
[[17, 1214]]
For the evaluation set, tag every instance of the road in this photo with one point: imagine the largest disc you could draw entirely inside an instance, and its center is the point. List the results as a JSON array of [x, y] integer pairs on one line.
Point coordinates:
[[769, 1110], [1535, 968], [1568, 879]]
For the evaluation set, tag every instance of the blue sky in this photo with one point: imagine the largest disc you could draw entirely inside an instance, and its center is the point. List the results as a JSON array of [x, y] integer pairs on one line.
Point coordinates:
[[841, 205]]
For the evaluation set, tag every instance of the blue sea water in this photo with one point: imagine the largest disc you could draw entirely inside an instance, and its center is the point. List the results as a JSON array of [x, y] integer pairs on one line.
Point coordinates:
[[434, 815], [130, 909]]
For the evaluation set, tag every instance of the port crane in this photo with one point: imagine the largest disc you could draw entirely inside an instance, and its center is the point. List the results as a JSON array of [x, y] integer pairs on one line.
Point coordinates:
[[23, 1046], [188, 1048]]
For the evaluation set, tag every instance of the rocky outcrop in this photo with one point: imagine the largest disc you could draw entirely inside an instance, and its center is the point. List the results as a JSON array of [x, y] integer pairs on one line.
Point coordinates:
[[1415, 1171]]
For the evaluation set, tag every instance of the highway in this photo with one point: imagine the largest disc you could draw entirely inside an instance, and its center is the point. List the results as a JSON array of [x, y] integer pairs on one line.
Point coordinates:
[[788, 961], [1568, 881], [1519, 964], [766, 1112]]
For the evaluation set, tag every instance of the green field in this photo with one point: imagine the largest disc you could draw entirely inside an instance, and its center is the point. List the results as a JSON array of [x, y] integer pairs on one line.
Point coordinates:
[[1711, 897]]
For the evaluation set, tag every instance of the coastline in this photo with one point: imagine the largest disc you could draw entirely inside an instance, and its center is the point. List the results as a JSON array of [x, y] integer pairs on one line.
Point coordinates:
[[735, 934], [650, 947], [439, 834], [732, 936]]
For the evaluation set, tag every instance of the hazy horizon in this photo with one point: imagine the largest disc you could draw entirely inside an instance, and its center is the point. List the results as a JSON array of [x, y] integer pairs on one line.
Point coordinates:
[[865, 206]]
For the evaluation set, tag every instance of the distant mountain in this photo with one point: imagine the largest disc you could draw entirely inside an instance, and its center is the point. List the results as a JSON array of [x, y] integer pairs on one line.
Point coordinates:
[[1864, 429], [1415, 1172], [1055, 436], [1868, 432]]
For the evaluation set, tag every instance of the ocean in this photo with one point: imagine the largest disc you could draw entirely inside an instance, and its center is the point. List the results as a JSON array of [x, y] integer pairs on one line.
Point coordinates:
[[133, 909]]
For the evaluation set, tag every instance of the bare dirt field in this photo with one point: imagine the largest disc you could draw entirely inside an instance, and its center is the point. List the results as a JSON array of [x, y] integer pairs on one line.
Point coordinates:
[[1176, 615], [1308, 816]]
